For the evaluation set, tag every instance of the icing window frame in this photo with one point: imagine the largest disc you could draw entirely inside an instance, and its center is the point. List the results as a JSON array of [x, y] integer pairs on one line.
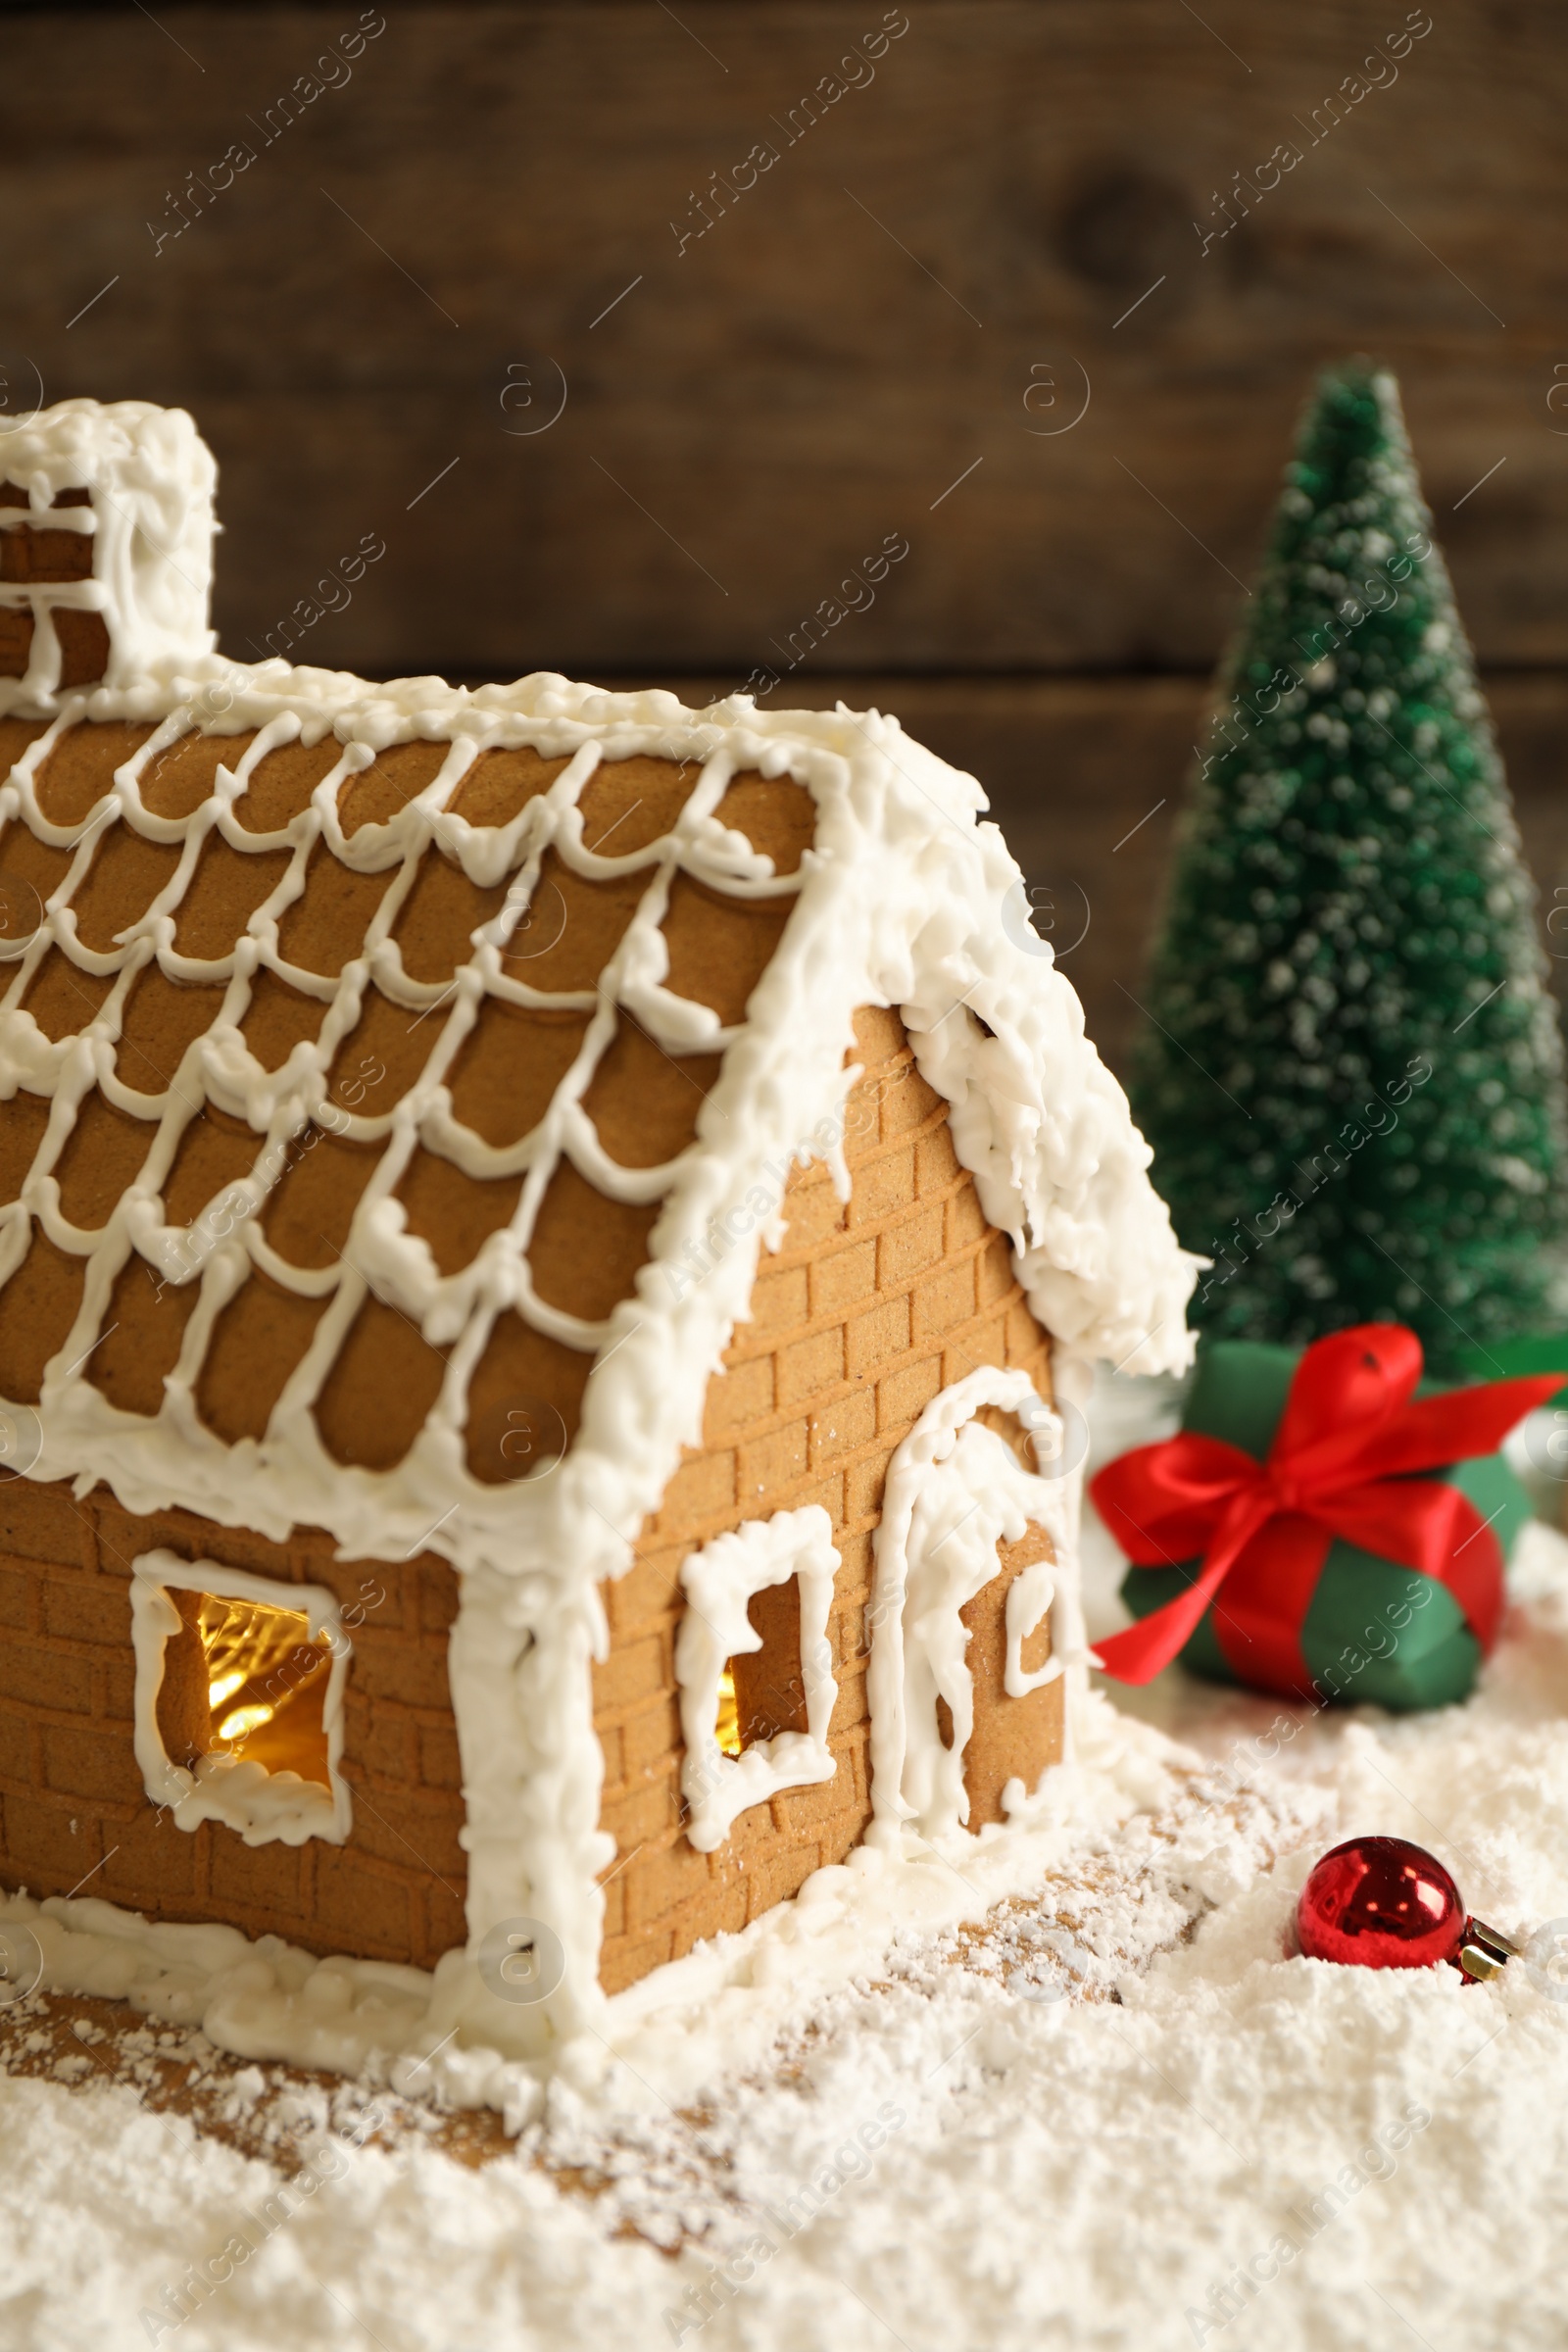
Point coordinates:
[[262, 1806], [718, 1581]]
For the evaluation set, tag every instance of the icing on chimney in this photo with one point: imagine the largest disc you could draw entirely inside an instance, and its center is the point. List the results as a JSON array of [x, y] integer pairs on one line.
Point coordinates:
[[106, 548]]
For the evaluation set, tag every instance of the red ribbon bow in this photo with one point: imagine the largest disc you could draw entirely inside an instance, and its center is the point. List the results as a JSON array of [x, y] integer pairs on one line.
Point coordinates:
[[1339, 1465]]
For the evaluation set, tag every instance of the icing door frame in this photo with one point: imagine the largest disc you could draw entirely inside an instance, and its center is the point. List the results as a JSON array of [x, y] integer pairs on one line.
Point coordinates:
[[954, 1489]]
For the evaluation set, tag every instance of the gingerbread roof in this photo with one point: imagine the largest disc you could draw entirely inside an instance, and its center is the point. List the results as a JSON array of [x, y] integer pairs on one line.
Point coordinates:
[[396, 1083]]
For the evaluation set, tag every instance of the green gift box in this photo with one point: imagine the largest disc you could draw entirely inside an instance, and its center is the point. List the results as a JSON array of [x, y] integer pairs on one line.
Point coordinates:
[[1373, 1627]]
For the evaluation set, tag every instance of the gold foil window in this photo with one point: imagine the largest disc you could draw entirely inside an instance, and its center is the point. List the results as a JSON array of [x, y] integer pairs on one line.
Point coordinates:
[[266, 1684]]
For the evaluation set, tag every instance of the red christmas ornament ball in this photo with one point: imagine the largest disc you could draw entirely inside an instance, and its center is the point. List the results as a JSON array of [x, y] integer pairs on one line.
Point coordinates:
[[1380, 1902]]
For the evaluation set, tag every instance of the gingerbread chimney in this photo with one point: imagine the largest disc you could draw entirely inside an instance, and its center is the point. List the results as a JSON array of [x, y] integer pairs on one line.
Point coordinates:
[[106, 550]]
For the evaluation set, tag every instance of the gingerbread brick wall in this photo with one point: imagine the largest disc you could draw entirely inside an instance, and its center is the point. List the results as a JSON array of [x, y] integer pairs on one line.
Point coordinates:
[[74, 1812], [866, 1313]]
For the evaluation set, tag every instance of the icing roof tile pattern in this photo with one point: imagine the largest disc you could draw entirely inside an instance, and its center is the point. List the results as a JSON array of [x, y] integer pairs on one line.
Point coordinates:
[[376, 1060], [276, 1152]]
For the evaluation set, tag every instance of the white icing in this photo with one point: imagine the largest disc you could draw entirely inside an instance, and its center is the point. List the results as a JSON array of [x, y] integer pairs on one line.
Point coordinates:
[[955, 1491], [902, 901], [260, 1805], [520, 1659], [718, 1581], [151, 478], [1029, 1597]]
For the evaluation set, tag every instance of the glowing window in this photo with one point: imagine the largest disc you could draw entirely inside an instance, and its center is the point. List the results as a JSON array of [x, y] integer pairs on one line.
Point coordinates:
[[727, 1726], [266, 1684], [239, 1699], [727, 1766]]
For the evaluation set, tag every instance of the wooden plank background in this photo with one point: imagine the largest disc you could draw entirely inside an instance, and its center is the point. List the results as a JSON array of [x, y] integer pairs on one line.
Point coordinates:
[[891, 333]]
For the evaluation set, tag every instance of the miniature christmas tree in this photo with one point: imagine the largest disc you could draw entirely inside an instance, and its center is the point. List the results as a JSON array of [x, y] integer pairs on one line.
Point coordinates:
[[1352, 1074]]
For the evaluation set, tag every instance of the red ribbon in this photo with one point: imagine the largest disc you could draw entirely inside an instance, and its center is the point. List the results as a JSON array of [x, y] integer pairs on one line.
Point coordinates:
[[1339, 1466]]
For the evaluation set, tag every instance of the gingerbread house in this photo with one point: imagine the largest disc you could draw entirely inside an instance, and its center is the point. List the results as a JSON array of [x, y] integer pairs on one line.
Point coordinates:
[[546, 1242]]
